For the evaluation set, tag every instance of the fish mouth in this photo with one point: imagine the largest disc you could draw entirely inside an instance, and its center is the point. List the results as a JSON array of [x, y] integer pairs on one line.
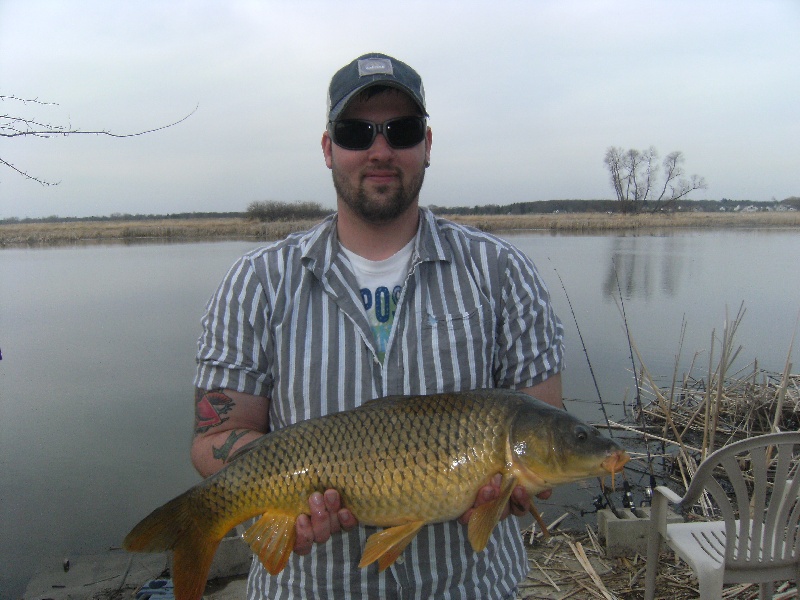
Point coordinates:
[[615, 462]]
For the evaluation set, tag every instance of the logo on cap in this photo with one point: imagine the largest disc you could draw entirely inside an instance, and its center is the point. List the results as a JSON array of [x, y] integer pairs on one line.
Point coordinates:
[[375, 66]]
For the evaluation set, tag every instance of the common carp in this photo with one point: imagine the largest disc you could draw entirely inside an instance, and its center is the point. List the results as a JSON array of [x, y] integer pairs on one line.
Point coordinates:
[[399, 462]]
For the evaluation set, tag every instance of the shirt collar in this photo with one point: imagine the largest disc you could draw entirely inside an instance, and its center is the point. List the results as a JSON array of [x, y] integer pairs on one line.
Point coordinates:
[[320, 246]]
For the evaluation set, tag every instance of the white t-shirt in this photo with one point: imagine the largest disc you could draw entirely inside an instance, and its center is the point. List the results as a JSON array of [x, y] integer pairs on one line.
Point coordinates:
[[381, 282]]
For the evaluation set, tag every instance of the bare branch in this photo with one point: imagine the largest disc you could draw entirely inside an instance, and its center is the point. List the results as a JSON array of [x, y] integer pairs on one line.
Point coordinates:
[[51, 130], [27, 175], [12, 126], [27, 100]]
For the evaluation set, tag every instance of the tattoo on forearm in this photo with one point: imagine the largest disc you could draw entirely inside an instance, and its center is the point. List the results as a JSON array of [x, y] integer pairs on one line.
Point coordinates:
[[209, 408], [224, 452]]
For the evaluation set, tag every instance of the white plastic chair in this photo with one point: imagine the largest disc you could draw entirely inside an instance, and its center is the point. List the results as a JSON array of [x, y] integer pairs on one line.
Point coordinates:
[[758, 540]]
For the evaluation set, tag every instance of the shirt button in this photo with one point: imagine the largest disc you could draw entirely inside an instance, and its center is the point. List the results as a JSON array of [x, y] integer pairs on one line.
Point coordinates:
[[400, 560]]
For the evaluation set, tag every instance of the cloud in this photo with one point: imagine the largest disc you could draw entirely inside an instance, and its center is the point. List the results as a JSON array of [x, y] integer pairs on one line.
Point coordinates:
[[524, 97]]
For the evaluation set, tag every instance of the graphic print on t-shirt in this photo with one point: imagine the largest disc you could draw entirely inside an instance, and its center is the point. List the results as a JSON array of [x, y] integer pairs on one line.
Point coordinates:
[[380, 305], [381, 284]]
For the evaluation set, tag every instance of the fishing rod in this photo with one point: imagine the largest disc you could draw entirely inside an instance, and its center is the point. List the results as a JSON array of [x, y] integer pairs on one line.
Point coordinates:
[[598, 501], [648, 490], [586, 353]]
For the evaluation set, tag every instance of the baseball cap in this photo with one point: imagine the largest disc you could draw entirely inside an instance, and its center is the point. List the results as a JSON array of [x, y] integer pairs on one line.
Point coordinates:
[[368, 70]]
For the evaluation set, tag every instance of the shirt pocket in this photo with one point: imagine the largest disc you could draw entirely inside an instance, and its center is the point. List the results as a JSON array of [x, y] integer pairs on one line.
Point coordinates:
[[457, 349]]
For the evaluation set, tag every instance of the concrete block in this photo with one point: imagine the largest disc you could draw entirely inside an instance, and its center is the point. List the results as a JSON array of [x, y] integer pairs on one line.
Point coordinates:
[[627, 535], [233, 556]]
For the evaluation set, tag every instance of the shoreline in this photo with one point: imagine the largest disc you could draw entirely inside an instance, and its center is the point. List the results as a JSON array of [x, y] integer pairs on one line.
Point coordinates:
[[16, 235]]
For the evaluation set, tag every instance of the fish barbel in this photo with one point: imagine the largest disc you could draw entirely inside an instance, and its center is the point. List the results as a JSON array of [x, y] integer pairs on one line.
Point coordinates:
[[399, 462]]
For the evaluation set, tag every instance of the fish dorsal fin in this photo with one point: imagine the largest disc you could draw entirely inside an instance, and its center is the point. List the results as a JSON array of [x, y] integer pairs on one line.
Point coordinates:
[[385, 546], [272, 539], [486, 516]]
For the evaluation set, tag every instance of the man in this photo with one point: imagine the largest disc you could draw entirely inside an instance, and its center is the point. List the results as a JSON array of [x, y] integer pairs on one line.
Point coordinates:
[[383, 298]]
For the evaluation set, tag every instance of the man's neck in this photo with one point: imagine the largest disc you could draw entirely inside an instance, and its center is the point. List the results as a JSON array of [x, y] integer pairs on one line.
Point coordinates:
[[376, 241]]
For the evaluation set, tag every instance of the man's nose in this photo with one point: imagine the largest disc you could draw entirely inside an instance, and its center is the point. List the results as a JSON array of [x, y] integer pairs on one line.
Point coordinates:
[[380, 147]]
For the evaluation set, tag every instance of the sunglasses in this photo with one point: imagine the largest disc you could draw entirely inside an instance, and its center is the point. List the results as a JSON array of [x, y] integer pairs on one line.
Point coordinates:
[[355, 134]]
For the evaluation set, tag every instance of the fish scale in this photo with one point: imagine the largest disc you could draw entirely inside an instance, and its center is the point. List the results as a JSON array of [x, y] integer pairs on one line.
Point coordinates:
[[388, 469], [398, 463]]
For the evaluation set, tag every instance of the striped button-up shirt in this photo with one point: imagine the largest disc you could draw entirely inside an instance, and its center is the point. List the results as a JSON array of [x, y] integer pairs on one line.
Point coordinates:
[[288, 323]]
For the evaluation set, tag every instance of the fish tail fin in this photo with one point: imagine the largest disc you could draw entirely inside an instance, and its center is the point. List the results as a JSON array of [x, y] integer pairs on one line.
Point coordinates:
[[173, 527]]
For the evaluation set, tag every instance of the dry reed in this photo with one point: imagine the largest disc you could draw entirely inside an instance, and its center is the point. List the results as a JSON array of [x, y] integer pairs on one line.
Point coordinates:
[[44, 234], [720, 408]]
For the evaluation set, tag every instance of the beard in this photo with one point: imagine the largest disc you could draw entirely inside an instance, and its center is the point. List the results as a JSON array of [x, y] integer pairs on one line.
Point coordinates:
[[382, 205]]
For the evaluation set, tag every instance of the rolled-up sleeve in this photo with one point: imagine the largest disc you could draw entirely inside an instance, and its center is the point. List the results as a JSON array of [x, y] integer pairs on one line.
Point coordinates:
[[234, 345], [530, 335]]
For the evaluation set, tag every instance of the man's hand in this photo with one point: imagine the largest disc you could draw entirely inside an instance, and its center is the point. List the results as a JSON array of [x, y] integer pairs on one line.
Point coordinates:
[[519, 504], [326, 517]]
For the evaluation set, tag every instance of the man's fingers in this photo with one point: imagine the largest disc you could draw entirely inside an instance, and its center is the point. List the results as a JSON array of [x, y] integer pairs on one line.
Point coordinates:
[[332, 501], [332, 506], [520, 502], [304, 538], [320, 518], [346, 519], [464, 519], [326, 517]]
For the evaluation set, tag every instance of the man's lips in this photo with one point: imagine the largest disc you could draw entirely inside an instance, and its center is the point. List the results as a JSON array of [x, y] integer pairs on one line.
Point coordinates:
[[381, 176]]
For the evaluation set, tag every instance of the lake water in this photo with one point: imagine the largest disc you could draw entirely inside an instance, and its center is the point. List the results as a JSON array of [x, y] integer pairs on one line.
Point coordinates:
[[98, 350]]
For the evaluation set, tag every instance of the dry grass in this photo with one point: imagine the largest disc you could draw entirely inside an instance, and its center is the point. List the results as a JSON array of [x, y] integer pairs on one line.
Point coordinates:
[[588, 222], [574, 565], [35, 234]]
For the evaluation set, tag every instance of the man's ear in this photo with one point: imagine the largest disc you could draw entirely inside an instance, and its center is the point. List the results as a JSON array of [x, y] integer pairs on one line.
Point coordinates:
[[428, 143], [327, 148]]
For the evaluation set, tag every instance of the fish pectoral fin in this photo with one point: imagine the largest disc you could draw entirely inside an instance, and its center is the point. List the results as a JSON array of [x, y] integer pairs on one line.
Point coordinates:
[[385, 546], [272, 539], [486, 516]]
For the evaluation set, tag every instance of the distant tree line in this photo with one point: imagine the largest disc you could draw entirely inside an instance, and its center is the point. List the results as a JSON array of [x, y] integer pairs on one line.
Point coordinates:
[[608, 206], [127, 217], [526, 208], [272, 210], [282, 211]]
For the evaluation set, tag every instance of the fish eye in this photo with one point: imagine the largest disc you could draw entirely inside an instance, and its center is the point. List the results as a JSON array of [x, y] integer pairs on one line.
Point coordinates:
[[581, 433]]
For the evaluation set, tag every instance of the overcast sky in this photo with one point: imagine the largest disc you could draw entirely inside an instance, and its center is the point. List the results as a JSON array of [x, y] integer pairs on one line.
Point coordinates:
[[525, 97]]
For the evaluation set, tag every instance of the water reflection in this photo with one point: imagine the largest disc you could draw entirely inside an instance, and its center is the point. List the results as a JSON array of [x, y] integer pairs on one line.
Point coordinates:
[[643, 267]]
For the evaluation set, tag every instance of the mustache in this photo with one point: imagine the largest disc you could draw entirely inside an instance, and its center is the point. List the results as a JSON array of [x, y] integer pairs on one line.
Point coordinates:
[[380, 168]]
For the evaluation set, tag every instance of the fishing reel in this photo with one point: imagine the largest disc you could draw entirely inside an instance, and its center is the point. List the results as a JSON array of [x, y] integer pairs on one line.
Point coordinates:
[[627, 496], [599, 503]]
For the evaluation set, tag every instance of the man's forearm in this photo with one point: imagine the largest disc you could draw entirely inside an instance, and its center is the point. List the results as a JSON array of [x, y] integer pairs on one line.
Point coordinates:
[[225, 420], [212, 451]]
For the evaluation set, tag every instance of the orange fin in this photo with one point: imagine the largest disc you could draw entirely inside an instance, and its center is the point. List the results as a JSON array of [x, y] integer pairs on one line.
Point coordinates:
[[540, 521], [385, 546], [486, 516], [272, 538], [172, 527]]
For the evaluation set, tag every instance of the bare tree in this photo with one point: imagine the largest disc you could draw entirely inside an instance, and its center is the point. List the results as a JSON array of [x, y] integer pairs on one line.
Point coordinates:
[[12, 125], [634, 177]]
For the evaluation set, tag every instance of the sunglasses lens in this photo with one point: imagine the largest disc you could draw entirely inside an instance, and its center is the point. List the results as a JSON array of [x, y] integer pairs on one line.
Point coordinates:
[[353, 135], [405, 132]]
